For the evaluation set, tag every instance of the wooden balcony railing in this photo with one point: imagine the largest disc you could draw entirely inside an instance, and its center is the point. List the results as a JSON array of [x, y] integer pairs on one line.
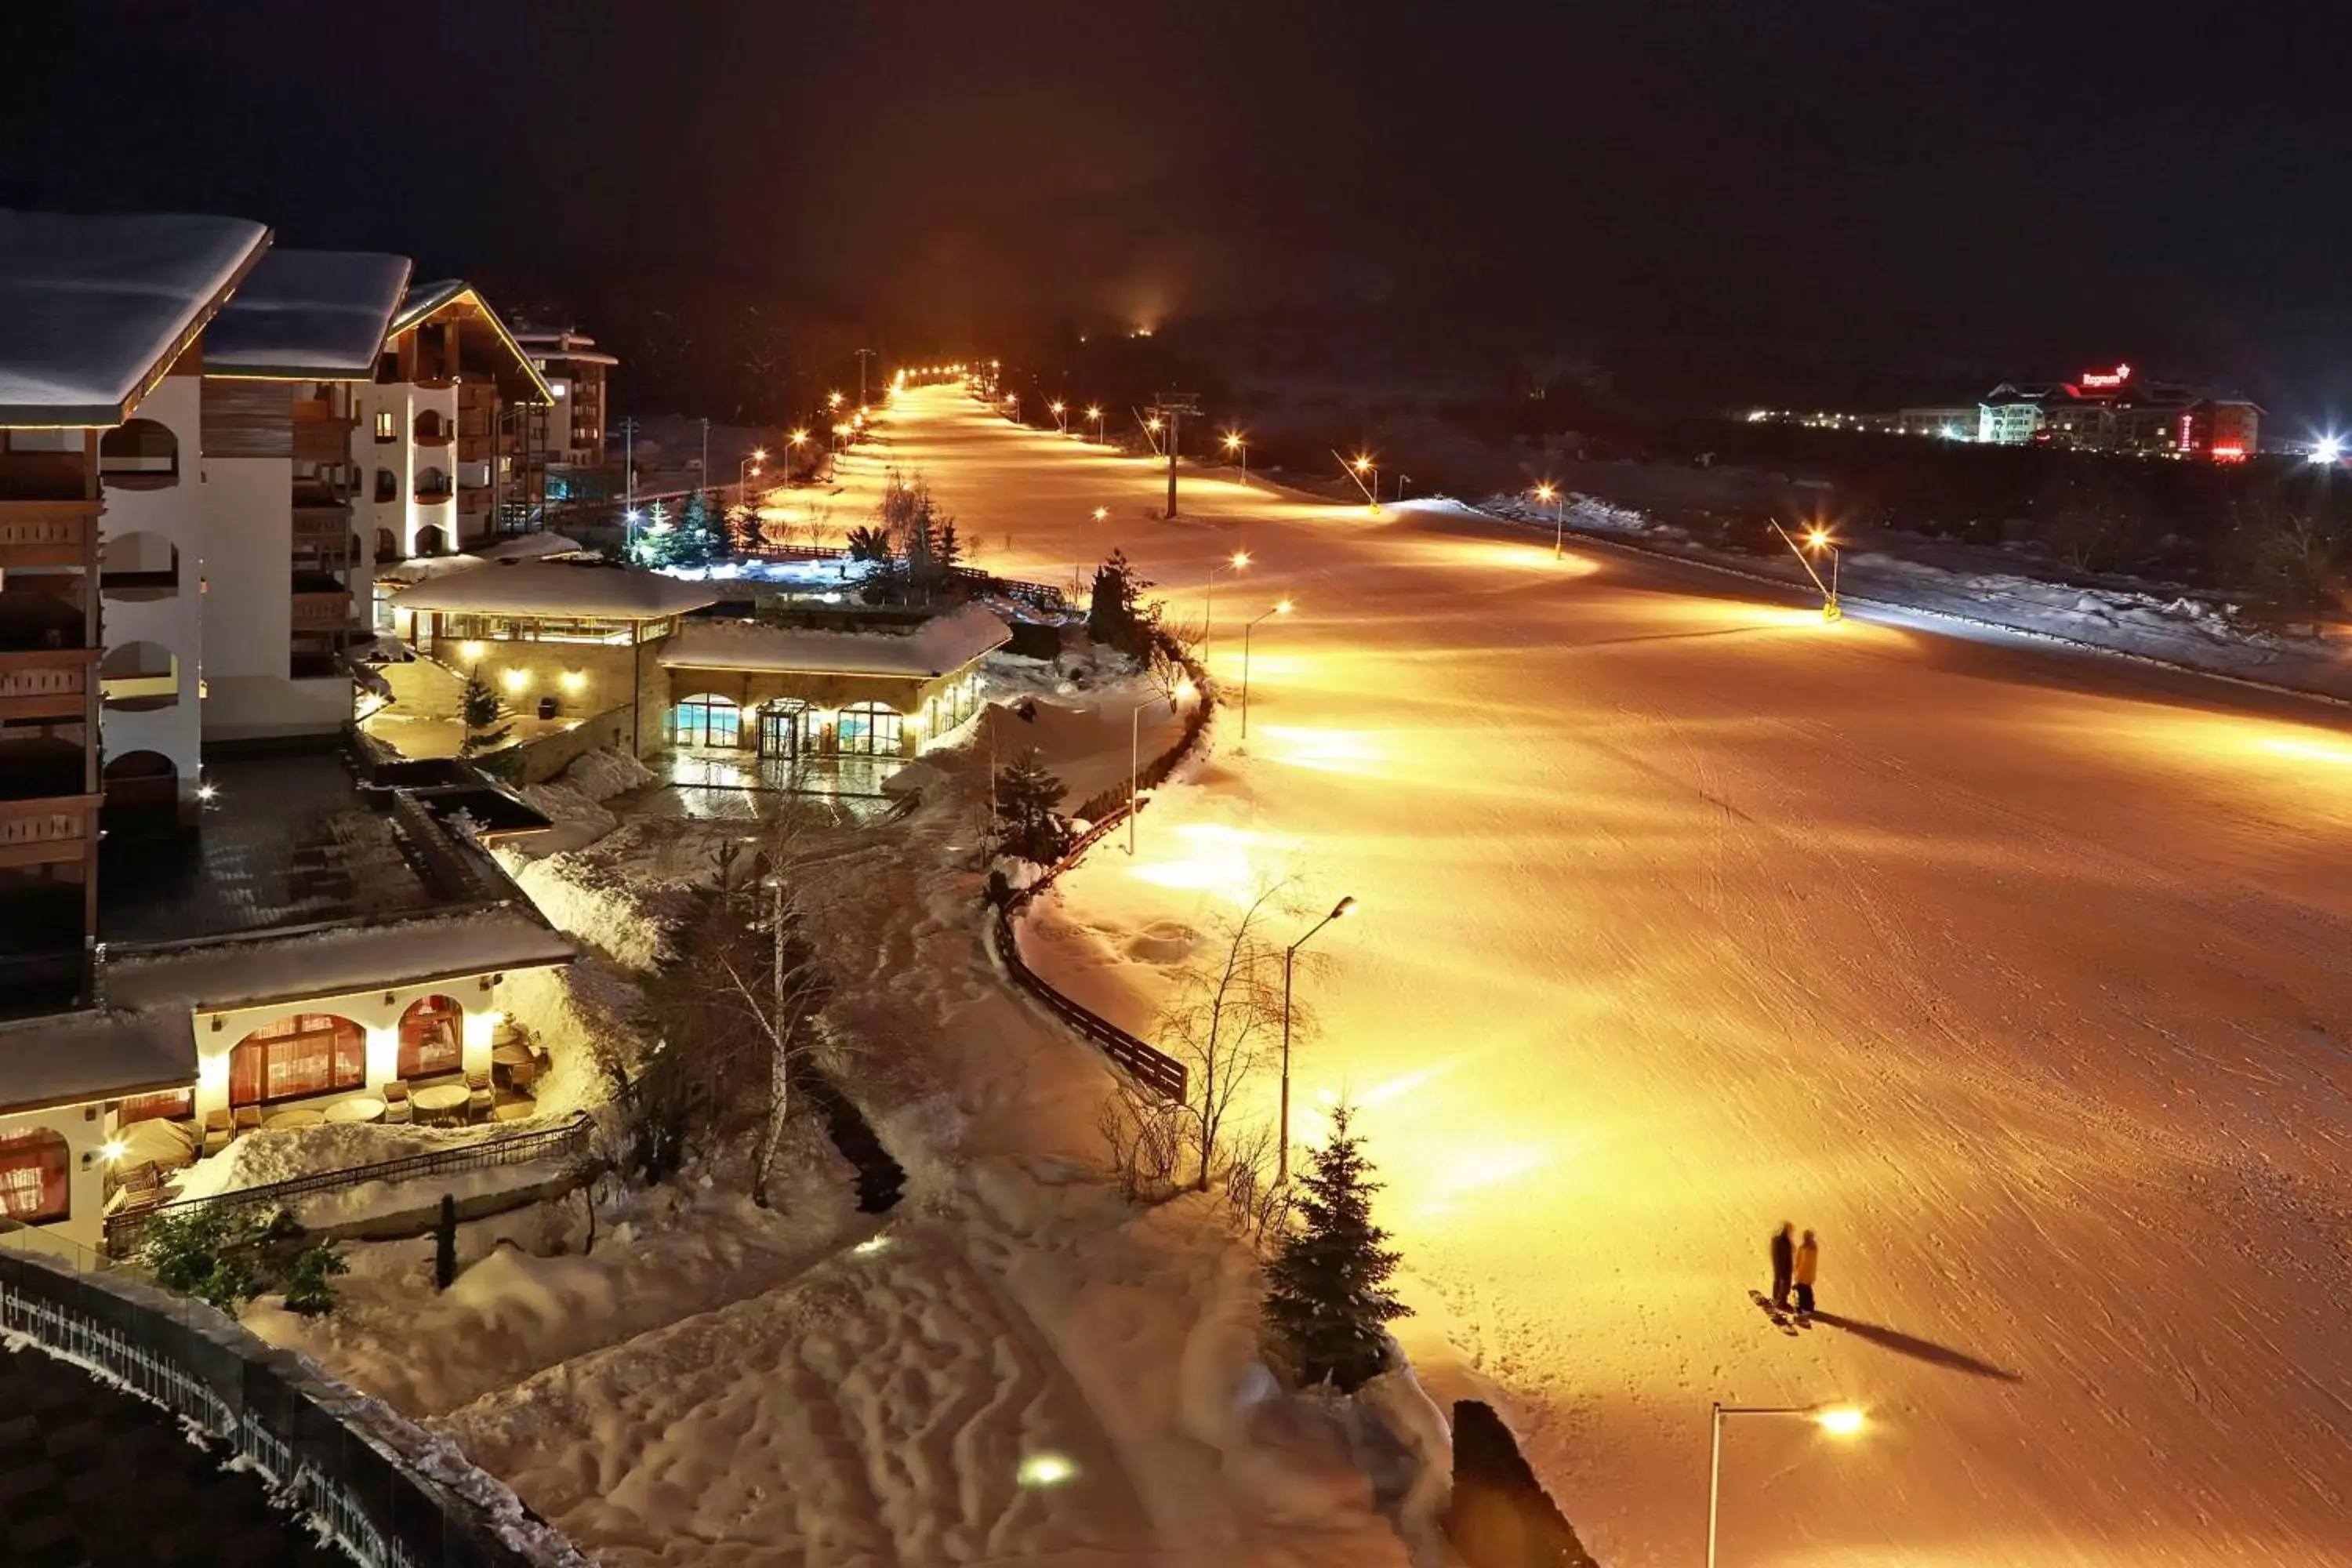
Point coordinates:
[[318, 611], [44, 832], [47, 684], [45, 533]]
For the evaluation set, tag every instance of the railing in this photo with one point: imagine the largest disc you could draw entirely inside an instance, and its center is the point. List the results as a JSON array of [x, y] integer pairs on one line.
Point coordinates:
[[1150, 1067], [343, 1462], [567, 1142]]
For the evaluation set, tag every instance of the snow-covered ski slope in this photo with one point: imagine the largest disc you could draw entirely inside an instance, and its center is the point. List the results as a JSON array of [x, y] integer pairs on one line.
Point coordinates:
[[2025, 979]]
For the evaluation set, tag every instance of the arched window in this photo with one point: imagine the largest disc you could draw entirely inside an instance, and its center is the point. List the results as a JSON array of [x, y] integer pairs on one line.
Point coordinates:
[[138, 676], [142, 788], [432, 485], [387, 547], [429, 427], [868, 730], [140, 454], [387, 485], [431, 542], [140, 565], [36, 1178], [707, 720], [311, 1053], [432, 1037]]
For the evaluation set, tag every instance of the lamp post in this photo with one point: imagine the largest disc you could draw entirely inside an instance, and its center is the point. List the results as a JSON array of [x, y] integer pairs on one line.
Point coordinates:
[[1281, 609], [1209, 601], [745, 470], [1367, 475], [1094, 413], [1135, 751], [1345, 907], [1838, 1420], [1547, 491], [797, 439], [1151, 428], [1239, 447], [1061, 425]]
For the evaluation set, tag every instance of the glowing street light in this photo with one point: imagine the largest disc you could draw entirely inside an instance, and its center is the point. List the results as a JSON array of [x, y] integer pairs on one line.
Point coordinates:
[[1838, 1420], [1367, 475], [2327, 450], [1101, 513], [833, 400], [1339, 911], [1238, 447], [1094, 413], [1209, 599], [1281, 609], [1061, 425], [1547, 491], [1183, 692]]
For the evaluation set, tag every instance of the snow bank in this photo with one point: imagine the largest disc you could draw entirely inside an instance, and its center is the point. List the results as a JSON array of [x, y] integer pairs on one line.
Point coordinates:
[[283, 1154]]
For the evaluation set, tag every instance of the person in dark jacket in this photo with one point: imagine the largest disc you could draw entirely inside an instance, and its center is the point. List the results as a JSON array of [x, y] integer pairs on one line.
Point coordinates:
[[1783, 1263], [1808, 1263]]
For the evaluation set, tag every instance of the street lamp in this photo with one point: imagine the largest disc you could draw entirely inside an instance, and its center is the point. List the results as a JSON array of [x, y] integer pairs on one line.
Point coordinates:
[[1547, 491], [832, 400], [1101, 513], [1838, 1420], [745, 471], [1367, 476], [797, 439], [1239, 449], [1094, 413], [1208, 600], [1339, 911], [1184, 689], [1151, 427], [1281, 609], [1061, 425]]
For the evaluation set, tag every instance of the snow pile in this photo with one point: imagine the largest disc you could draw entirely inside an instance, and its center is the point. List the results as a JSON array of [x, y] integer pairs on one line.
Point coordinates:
[[439, 1460], [604, 773], [581, 1014], [573, 800], [283, 1154], [623, 892]]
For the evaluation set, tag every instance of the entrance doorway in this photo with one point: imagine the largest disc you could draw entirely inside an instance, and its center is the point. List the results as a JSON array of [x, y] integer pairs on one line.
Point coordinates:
[[780, 729]]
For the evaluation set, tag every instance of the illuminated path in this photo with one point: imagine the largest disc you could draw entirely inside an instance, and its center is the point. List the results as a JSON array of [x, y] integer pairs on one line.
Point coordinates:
[[2026, 981]]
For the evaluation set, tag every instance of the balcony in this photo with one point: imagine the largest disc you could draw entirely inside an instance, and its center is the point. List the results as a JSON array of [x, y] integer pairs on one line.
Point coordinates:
[[49, 685], [318, 605], [322, 437], [137, 567], [46, 533], [45, 770], [138, 678], [46, 831]]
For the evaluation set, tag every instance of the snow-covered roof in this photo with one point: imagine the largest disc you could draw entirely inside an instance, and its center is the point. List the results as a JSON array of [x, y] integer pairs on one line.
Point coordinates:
[[72, 1059], [424, 298], [521, 547], [93, 309], [591, 588], [315, 313], [937, 646], [253, 972]]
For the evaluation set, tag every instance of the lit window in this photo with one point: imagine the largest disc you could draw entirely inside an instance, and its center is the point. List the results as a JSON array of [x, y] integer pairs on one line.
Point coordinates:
[[386, 427]]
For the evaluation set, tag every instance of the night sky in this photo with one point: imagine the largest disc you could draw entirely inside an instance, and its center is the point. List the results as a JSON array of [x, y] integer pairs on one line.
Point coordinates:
[[1922, 190]]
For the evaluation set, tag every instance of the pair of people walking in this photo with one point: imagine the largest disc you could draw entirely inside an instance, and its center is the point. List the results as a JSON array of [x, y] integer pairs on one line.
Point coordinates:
[[1794, 1263]]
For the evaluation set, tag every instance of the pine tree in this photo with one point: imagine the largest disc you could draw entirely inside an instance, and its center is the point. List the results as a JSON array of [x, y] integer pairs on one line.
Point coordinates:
[[947, 550], [1327, 1295], [694, 541], [657, 539], [482, 712], [1026, 793], [1116, 616]]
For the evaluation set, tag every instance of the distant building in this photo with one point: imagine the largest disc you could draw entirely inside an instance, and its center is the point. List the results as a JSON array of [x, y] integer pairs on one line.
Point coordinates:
[[1954, 423], [2118, 410], [575, 370]]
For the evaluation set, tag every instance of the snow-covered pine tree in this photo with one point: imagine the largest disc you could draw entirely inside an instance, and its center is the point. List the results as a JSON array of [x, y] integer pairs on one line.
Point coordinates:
[[1327, 1291], [657, 538], [481, 710], [696, 541], [1027, 794]]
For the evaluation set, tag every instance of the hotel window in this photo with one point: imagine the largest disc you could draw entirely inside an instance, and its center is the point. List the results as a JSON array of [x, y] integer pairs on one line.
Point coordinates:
[[387, 427], [35, 1183], [311, 1053]]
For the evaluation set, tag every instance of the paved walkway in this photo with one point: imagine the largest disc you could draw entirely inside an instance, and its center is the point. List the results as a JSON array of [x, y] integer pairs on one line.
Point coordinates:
[[90, 1475]]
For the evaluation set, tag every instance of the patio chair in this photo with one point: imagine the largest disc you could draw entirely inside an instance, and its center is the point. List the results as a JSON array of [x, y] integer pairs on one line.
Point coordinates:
[[478, 1105], [248, 1118], [522, 1075], [477, 1081]]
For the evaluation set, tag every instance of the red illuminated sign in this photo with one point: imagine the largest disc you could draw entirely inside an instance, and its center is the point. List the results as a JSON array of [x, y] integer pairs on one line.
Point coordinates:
[[2115, 377], [2229, 454]]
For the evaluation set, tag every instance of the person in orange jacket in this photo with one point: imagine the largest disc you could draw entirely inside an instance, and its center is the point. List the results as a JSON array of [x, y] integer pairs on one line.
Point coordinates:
[[1808, 1264]]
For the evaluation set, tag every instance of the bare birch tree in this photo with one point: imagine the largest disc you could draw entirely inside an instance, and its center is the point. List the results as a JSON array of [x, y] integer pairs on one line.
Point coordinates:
[[1224, 1020]]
